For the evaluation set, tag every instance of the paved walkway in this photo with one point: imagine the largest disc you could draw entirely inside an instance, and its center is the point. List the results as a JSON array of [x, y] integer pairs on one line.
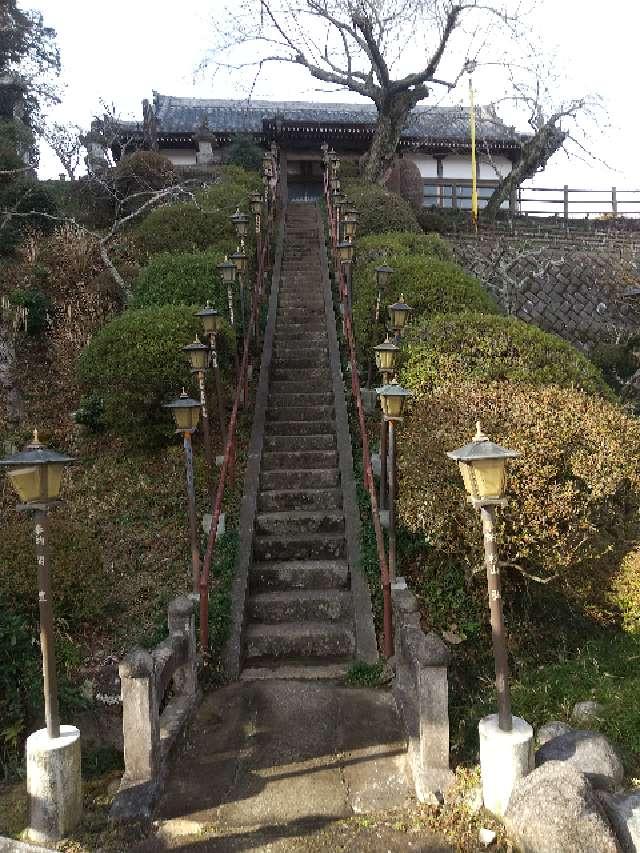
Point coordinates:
[[271, 764]]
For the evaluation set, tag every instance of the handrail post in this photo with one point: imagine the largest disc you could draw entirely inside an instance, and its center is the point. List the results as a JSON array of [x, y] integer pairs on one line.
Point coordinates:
[[614, 201], [566, 205]]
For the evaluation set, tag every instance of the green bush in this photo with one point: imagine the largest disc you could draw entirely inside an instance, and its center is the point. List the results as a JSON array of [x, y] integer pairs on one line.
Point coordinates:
[[244, 152], [90, 413], [135, 363], [574, 492], [381, 246], [38, 307], [429, 286], [456, 347], [229, 193], [445, 221], [181, 227], [378, 209], [24, 196], [186, 278]]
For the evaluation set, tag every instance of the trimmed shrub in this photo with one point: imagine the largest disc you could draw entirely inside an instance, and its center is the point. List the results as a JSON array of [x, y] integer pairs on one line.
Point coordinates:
[[625, 591], [186, 278], [445, 221], [230, 192], [134, 364], [456, 347], [143, 171], [181, 227], [378, 209], [405, 180], [380, 246], [574, 492], [429, 286]]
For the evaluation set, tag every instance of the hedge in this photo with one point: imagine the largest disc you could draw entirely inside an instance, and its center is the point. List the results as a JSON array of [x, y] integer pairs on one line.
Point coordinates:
[[456, 347], [143, 171], [135, 363], [429, 285], [574, 492], [378, 209], [381, 246], [185, 278]]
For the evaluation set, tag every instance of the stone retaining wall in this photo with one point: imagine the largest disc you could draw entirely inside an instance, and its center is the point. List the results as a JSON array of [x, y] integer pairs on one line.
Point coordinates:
[[582, 289]]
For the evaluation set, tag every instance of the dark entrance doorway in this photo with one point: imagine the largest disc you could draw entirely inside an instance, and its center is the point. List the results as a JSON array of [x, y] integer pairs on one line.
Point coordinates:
[[304, 178]]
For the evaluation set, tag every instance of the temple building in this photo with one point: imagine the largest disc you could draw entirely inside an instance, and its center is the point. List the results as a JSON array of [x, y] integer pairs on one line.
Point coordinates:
[[196, 132]]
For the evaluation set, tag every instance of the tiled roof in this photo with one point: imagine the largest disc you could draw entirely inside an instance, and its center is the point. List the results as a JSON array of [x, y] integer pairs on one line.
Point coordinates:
[[186, 115]]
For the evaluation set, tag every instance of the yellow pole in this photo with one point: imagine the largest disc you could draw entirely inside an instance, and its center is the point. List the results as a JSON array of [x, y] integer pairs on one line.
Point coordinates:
[[474, 178]]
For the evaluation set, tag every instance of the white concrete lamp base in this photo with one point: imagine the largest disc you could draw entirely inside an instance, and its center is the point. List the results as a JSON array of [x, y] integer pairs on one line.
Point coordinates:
[[505, 757], [54, 784]]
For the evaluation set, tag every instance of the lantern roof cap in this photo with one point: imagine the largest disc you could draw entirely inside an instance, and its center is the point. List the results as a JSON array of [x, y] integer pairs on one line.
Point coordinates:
[[184, 401], [239, 253], [387, 346], [196, 345], [239, 216], [226, 263], [36, 453], [385, 268], [401, 305], [207, 311], [481, 447], [392, 389]]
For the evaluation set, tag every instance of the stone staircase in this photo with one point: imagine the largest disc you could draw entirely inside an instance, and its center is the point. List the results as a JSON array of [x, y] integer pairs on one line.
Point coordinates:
[[299, 609]]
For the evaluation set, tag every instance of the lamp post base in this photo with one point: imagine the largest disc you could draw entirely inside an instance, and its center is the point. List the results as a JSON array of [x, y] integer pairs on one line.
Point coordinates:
[[54, 784], [505, 758]]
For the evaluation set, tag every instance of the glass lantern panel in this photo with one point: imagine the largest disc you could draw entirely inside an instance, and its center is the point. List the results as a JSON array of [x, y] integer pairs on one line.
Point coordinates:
[[490, 477], [199, 359], [467, 478], [26, 482]]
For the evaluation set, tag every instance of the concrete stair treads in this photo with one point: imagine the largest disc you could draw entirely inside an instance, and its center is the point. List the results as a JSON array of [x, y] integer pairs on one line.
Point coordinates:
[[299, 612], [299, 574]]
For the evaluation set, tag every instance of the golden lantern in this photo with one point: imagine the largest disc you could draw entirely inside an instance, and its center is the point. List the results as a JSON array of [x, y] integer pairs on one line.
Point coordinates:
[[383, 276], [267, 165], [198, 355], [483, 466], [241, 222], [212, 322], [350, 223], [240, 260], [255, 200], [393, 400], [399, 314], [386, 355], [36, 473], [345, 251], [185, 411], [228, 270]]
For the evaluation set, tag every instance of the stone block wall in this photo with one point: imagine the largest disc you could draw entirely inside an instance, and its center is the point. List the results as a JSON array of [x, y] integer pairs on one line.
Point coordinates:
[[580, 288]]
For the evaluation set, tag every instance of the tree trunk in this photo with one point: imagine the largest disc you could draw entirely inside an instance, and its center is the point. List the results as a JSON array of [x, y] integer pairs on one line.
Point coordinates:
[[393, 112], [535, 155]]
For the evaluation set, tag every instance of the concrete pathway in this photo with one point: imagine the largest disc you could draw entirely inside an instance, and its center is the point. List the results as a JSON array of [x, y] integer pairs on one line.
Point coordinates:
[[269, 762]]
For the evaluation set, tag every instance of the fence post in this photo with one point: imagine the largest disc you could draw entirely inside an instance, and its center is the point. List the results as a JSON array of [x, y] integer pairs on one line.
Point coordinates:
[[614, 201], [140, 717], [182, 629], [566, 205]]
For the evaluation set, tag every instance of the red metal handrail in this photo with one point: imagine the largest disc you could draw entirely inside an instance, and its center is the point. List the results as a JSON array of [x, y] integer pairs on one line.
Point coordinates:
[[230, 447], [368, 479]]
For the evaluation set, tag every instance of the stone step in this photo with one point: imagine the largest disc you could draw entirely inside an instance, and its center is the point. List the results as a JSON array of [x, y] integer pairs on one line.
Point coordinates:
[[283, 387], [296, 362], [288, 338], [301, 399], [328, 669], [300, 546], [299, 574], [300, 374], [299, 605], [299, 428], [299, 521], [277, 460], [292, 443], [300, 478], [301, 349], [301, 328], [299, 413], [300, 639], [300, 316], [283, 500]]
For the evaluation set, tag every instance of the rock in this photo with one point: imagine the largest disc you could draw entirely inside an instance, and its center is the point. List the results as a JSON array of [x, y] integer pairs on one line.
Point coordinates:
[[555, 728], [486, 837], [623, 811], [555, 810], [587, 712], [590, 753]]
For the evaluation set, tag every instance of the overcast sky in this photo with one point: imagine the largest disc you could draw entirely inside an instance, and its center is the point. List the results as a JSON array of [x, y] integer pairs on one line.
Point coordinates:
[[122, 50]]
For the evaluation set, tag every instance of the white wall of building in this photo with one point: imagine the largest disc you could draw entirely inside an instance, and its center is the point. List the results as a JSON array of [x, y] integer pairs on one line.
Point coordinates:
[[459, 166], [180, 156]]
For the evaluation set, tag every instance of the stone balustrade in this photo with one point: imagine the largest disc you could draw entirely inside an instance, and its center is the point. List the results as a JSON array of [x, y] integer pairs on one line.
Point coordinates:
[[159, 691], [421, 691]]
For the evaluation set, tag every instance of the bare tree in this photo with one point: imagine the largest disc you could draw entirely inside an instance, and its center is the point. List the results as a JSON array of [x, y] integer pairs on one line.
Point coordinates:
[[360, 46], [66, 142]]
